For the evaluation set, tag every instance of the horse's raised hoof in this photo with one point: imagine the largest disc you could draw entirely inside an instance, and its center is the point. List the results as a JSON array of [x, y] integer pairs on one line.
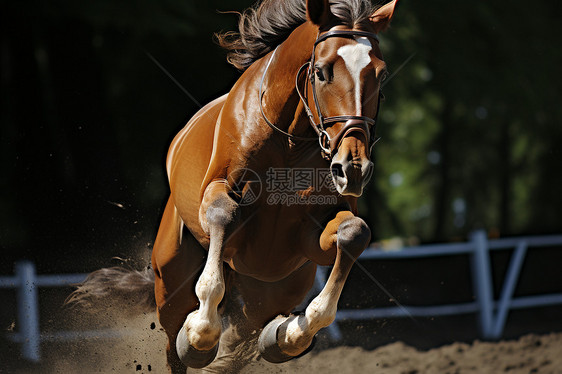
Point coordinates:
[[269, 348], [192, 357]]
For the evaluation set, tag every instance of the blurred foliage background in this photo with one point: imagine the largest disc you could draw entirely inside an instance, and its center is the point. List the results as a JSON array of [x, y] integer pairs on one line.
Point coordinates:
[[470, 127]]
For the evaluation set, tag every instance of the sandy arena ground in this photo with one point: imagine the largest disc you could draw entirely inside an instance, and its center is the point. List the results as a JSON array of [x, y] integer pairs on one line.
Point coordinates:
[[143, 352], [529, 354]]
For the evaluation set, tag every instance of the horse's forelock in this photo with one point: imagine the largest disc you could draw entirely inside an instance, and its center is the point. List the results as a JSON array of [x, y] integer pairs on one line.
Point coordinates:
[[352, 12]]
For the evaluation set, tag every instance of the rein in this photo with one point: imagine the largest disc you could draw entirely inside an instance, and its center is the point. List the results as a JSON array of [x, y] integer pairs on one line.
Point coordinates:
[[262, 92], [328, 145]]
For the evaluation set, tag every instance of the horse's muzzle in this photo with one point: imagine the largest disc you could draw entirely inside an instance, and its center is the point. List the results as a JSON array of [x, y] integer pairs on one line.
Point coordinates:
[[351, 177]]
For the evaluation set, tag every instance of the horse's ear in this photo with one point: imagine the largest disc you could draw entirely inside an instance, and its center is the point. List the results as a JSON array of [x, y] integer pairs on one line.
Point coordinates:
[[318, 12], [382, 16]]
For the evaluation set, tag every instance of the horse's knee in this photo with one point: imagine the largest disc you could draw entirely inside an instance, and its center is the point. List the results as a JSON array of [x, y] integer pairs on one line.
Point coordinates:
[[354, 235], [222, 213]]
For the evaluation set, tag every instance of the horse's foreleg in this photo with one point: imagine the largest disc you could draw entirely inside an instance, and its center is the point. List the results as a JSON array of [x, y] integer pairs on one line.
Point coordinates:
[[197, 341], [286, 337]]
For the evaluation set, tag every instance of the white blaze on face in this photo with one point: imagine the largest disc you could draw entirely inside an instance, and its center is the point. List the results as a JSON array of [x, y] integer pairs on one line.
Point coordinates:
[[356, 58]]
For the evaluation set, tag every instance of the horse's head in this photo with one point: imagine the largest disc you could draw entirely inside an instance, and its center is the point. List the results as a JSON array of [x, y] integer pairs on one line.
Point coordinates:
[[345, 73]]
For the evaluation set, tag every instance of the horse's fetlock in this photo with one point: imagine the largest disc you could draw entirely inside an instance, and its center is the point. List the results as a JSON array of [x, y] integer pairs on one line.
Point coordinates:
[[320, 313], [209, 289]]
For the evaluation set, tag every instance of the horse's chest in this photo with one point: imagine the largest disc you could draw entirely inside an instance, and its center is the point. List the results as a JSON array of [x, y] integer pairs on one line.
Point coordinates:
[[273, 244]]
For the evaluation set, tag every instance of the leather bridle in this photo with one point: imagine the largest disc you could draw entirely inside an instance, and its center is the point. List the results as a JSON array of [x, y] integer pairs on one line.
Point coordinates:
[[361, 124]]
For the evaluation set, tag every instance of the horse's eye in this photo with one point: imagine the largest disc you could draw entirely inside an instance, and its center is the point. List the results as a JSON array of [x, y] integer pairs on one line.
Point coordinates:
[[320, 74], [323, 72]]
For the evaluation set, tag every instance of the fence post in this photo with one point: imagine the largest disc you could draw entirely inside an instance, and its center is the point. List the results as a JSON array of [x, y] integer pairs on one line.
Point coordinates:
[[28, 311], [509, 284], [482, 280]]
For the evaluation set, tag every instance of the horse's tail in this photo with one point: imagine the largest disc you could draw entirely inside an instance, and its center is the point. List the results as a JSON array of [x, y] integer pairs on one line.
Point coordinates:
[[127, 291]]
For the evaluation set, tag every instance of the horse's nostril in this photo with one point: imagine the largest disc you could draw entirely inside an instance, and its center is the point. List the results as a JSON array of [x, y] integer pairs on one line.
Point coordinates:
[[337, 170]]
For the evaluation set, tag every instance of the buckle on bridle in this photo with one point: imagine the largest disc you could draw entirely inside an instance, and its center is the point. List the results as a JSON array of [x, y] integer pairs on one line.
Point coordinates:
[[324, 140]]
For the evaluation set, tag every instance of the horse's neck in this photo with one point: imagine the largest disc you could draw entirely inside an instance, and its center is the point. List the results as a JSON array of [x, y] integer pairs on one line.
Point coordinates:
[[290, 56]]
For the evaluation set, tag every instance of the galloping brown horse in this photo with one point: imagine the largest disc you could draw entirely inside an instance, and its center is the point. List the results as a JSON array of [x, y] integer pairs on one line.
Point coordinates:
[[307, 100]]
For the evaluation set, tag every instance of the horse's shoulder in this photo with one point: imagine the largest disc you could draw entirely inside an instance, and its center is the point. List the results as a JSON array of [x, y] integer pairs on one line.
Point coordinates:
[[202, 123]]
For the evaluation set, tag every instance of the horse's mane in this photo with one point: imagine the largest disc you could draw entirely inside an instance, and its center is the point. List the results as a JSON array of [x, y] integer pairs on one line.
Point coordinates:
[[268, 23]]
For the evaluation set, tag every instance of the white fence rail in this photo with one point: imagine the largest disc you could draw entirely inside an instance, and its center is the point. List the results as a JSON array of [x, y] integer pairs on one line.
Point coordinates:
[[26, 282], [492, 313]]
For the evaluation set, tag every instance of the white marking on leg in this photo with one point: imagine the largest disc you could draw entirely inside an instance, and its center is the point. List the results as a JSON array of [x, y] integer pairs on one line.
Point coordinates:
[[203, 325], [320, 313], [356, 58]]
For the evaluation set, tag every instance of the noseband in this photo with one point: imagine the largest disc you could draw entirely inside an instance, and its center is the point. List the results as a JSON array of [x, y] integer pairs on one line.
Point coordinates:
[[361, 124]]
